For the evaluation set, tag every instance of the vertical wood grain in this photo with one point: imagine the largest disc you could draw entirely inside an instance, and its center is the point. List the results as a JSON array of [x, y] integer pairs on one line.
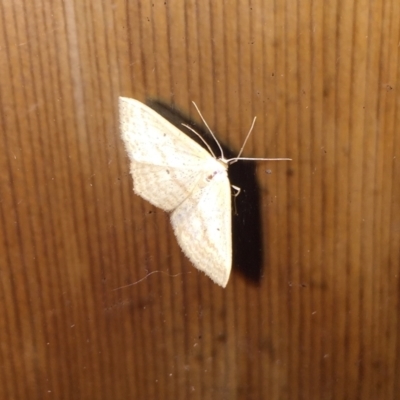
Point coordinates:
[[311, 311]]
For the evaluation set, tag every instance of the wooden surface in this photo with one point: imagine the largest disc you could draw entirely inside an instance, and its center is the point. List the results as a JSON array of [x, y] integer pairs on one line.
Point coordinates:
[[311, 310]]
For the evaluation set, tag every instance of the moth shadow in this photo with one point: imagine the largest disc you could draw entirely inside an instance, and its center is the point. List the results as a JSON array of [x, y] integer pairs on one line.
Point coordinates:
[[246, 220]]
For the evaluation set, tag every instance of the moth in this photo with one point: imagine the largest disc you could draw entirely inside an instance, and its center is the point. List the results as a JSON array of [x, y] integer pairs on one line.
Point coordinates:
[[176, 174]]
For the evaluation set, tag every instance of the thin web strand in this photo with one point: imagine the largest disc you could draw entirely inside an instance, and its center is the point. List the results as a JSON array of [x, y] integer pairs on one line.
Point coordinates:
[[150, 273]]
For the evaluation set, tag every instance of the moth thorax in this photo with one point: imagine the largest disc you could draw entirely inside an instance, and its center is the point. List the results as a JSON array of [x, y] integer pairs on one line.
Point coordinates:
[[217, 169]]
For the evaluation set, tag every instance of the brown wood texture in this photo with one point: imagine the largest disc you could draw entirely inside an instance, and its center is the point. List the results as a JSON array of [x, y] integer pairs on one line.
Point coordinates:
[[311, 310]]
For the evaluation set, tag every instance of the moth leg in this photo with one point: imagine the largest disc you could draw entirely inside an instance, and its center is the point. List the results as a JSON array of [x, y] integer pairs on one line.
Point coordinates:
[[238, 190]]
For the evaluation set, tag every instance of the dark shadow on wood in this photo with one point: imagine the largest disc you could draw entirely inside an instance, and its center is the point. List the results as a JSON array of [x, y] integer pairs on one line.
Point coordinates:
[[246, 222]]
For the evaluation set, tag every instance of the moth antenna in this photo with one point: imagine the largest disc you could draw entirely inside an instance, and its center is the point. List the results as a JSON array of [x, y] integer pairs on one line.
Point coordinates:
[[233, 160], [212, 134], [198, 134], [247, 138]]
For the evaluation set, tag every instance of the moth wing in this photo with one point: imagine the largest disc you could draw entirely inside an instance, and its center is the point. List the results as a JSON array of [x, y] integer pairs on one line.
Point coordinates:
[[165, 163], [202, 225]]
